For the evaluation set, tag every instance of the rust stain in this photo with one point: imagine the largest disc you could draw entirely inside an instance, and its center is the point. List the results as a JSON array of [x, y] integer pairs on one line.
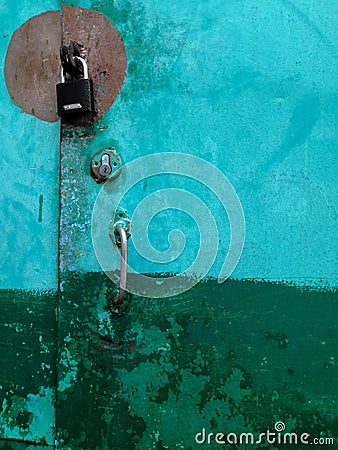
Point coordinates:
[[131, 344], [86, 136], [105, 51], [32, 67]]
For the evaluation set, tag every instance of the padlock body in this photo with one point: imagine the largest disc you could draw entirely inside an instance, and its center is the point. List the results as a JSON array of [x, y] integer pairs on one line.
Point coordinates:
[[75, 97]]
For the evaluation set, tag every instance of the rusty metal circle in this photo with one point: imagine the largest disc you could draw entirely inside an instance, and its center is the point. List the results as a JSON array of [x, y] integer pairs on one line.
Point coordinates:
[[32, 65]]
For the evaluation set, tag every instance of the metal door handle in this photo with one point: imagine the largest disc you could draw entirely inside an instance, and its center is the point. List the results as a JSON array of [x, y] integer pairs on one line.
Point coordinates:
[[120, 232], [118, 300]]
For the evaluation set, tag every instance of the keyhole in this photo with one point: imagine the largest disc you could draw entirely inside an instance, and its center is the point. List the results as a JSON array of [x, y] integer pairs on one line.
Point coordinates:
[[105, 170], [105, 164]]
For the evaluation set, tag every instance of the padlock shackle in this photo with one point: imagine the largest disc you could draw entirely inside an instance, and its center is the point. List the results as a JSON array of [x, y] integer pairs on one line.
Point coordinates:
[[85, 69]]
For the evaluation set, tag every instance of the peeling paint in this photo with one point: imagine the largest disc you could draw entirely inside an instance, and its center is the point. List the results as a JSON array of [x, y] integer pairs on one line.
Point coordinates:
[[40, 417], [28, 367], [196, 367], [69, 366]]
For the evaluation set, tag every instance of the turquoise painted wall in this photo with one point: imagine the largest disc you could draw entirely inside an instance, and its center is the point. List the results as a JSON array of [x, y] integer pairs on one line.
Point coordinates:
[[250, 87], [30, 169]]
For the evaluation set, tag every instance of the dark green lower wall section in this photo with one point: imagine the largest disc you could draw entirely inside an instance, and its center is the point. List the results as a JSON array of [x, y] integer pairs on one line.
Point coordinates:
[[230, 358], [13, 445], [27, 368], [17, 445]]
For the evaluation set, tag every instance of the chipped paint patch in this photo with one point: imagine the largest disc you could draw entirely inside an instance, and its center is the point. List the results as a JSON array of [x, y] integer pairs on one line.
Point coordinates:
[[28, 366], [156, 376], [31, 418], [42, 409], [43, 347], [68, 369]]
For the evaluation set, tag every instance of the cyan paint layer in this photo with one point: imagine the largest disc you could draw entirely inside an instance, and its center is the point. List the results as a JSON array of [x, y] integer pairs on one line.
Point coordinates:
[[250, 88], [30, 170]]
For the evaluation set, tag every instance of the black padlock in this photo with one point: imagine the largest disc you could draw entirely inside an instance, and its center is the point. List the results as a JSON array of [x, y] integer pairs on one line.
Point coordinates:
[[75, 96]]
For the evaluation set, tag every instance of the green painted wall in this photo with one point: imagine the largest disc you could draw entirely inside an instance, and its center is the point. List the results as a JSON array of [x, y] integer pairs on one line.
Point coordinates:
[[229, 358]]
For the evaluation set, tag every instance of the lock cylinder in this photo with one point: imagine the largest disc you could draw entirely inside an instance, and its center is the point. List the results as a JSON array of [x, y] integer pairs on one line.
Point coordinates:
[[105, 165], [75, 95]]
